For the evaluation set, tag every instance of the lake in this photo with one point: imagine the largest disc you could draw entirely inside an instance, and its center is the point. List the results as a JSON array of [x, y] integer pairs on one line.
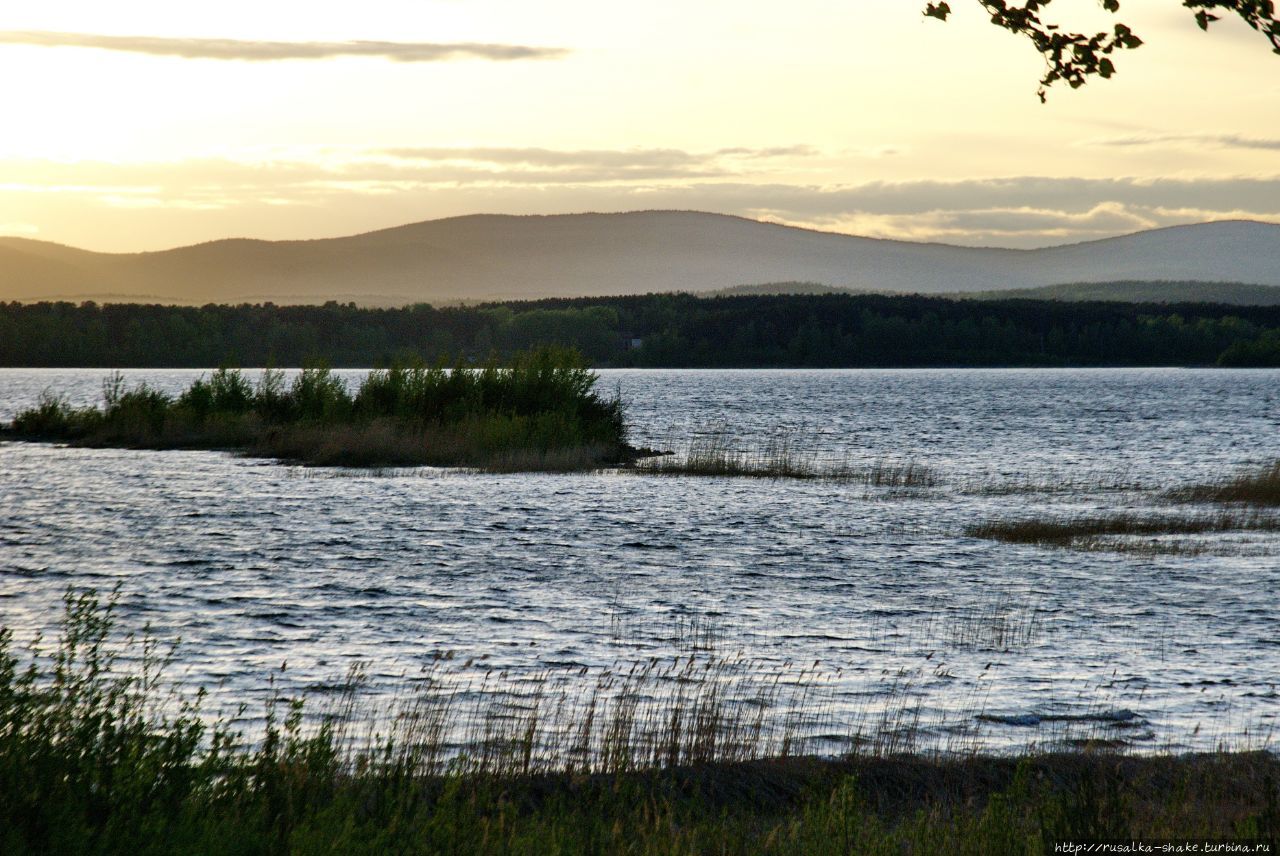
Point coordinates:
[[869, 599]]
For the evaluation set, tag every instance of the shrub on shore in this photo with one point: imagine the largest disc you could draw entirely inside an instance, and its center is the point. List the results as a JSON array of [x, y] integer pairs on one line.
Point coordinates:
[[542, 410]]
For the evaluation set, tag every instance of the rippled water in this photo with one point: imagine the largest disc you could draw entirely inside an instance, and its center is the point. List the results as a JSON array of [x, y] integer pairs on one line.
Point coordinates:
[[253, 563]]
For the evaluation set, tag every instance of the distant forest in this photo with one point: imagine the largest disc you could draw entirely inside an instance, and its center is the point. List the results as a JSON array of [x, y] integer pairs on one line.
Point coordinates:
[[677, 330]]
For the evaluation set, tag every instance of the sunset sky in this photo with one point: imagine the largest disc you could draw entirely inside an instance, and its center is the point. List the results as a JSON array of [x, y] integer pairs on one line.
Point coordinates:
[[144, 125]]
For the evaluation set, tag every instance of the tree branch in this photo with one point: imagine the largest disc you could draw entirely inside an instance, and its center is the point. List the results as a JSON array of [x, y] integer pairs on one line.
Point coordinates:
[[1076, 57]]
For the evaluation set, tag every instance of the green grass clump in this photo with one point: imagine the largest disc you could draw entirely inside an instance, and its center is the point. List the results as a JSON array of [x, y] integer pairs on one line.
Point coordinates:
[[99, 754], [540, 412]]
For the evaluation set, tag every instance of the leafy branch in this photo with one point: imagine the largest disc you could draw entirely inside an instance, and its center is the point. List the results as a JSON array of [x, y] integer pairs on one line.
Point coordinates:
[[1075, 57]]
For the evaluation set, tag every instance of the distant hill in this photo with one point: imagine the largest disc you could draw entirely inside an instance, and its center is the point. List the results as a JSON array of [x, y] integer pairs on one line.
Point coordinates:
[[1231, 293], [498, 257]]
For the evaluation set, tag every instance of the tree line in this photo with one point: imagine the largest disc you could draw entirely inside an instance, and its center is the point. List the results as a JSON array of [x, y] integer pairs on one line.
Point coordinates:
[[655, 330]]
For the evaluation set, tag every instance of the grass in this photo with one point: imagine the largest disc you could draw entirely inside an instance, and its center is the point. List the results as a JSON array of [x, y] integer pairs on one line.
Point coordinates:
[[1116, 532], [1259, 488], [1251, 493], [1001, 625], [540, 412], [715, 454], [98, 753]]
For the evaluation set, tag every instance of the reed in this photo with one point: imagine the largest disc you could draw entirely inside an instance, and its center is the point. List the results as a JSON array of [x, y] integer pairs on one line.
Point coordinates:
[[999, 626], [98, 753], [1108, 532], [1260, 487], [714, 453]]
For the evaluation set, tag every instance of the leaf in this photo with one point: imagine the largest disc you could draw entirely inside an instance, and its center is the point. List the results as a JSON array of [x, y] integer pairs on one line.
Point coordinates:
[[937, 10], [1203, 18]]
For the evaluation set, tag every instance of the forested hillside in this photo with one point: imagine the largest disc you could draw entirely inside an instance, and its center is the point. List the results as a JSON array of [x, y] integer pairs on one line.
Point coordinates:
[[1136, 291], [825, 330]]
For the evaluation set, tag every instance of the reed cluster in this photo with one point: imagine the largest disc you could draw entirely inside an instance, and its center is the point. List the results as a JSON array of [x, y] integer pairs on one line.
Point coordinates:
[[539, 412], [715, 453], [98, 753], [1001, 625], [1126, 533], [1260, 487]]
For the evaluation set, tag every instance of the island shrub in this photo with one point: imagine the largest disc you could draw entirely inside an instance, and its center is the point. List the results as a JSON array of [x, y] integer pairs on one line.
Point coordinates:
[[542, 408]]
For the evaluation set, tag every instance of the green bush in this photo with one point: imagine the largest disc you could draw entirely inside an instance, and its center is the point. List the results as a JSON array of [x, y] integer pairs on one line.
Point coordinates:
[[544, 402], [231, 391], [137, 416], [320, 396], [51, 418]]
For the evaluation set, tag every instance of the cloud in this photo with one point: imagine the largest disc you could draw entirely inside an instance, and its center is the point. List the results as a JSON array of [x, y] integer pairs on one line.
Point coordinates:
[[1216, 141], [1008, 227], [262, 51], [1015, 211], [596, 158], [768, 152], [378, 169], [619, 159], [1106, 217], [1069, 195], [374, 169], [364, 188]]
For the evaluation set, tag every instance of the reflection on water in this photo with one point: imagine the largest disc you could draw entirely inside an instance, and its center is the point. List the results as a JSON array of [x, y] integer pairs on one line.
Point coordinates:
[[253, 563]]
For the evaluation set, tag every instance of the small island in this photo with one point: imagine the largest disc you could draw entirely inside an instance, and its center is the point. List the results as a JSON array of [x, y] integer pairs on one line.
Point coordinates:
[[540, 411]]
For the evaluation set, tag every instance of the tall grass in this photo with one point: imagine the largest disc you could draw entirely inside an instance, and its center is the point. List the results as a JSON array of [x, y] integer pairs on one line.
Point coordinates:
[[540, 412], [1001, 625], [1118, 531], [1260, 487], [99, 754], [715, 453]]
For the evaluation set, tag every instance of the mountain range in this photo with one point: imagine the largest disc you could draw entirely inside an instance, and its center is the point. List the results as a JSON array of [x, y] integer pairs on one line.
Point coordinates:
[[500, 257]]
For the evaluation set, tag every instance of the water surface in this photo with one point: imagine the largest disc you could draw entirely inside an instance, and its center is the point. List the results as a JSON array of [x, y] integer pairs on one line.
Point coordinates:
[[255, 564]]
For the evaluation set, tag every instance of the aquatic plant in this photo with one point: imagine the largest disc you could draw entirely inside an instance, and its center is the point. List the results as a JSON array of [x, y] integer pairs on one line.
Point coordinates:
[[1110, 532], [1259, 487], [714, 453]]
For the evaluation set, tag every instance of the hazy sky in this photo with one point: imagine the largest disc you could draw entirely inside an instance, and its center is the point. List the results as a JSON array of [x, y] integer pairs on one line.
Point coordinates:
[[144, 125]]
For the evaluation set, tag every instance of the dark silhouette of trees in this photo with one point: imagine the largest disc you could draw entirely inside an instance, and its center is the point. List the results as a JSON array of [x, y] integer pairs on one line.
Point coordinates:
[[677, 330]]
